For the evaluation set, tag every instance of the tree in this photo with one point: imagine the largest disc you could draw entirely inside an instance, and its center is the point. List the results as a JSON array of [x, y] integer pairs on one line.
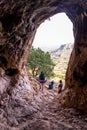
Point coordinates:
[[39, 60]]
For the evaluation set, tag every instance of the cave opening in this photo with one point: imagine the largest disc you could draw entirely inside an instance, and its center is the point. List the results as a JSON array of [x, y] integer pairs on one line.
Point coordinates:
[[55, 35], [23, 104]]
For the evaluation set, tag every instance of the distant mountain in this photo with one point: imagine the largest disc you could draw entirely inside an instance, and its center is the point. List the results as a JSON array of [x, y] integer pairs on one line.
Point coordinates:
[[62, 50], [61, 57]]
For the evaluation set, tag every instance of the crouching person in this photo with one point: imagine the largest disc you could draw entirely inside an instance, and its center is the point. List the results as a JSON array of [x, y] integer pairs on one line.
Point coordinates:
[[51, 85]]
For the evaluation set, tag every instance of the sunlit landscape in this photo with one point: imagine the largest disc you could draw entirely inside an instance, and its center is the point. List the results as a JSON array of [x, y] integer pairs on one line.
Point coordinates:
[[53, 34]]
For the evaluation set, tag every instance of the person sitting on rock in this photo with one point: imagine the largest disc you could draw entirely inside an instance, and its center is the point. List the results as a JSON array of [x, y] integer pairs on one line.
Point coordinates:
[[51, 85], [42, 79]]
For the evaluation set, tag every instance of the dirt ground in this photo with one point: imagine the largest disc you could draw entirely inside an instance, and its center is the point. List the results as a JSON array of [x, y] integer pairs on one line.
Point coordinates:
[[50, 115]]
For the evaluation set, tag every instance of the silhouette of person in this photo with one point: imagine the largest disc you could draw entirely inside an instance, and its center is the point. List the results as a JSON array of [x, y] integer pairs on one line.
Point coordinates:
[[60, 85], [42, 79]]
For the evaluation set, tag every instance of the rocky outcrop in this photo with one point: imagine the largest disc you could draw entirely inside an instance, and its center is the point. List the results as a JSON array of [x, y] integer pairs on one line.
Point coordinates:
[[19, 20]]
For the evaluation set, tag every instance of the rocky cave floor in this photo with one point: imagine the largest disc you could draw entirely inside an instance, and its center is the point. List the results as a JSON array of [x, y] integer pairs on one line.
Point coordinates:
[[51, 116], [43, 113]]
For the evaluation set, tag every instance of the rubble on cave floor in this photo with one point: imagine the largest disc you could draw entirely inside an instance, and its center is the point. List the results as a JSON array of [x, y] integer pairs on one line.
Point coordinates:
[[51, 115], [40, 111]]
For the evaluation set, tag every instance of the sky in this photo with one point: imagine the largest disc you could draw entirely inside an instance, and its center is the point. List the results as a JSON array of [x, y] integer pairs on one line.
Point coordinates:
[[54, 32]]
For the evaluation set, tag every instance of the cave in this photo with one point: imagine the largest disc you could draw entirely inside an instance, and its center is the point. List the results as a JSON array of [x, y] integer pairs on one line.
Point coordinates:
[[19, 21]]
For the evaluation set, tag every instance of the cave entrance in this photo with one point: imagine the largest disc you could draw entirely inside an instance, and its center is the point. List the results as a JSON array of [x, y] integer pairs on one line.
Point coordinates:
[[55, 35]]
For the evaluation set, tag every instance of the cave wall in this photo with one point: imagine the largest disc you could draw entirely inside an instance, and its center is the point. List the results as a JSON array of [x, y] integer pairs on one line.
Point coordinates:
[[19, 21]]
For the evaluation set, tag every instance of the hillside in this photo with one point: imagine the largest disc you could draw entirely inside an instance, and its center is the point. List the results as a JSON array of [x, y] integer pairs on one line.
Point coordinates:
[[61, 57]]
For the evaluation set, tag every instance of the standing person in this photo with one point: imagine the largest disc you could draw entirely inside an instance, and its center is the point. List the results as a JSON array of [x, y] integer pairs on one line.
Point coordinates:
[[42, 79], [60, 85]]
